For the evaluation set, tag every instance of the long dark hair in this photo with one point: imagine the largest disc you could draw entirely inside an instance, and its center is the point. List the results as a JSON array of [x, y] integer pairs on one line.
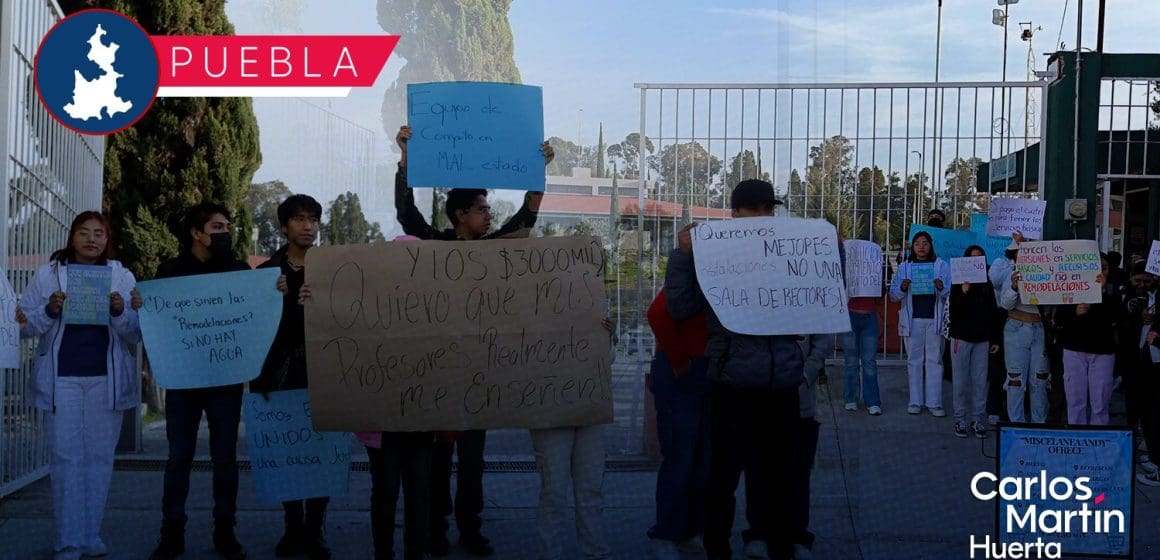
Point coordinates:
[[914, 258], [70, 253]]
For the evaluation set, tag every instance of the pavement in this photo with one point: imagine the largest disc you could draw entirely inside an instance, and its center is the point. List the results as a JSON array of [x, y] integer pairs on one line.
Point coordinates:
[[887, 487]]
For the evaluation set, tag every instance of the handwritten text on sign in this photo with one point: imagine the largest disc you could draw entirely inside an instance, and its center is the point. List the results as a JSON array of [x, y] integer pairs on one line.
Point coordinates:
[[1153, 266], [863, 268], [292, 461], [211, 329], [475, 135], [88, 294], [922, 277], [435, 335], [968, 270], [770, 276], [1009, 215], [9, 328], [1059, 272]]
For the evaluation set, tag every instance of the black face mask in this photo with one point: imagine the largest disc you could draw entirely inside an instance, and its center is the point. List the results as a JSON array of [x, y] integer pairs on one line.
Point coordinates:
[[935, 222], [221, 246], [1011, 255]]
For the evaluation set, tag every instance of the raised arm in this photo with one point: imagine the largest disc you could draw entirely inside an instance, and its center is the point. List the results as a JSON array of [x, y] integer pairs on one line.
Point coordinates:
[[406, 212]]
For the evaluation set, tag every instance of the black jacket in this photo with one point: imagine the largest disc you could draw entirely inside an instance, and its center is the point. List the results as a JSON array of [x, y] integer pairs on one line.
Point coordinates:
[[285, 365], [1093, 332], [415, 224], [975, 317], [185, 264]]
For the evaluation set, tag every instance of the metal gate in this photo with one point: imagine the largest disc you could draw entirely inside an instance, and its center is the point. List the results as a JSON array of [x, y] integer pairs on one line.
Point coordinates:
[[52, 174]]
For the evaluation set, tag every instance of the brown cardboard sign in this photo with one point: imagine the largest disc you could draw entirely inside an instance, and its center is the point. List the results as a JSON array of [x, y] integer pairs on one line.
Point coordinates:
[[438, 335]]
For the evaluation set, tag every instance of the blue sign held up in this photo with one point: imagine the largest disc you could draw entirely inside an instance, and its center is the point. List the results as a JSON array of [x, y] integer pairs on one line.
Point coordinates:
[[290, 460], [212, 329], [922, 279], [475, 134], [87, 291]]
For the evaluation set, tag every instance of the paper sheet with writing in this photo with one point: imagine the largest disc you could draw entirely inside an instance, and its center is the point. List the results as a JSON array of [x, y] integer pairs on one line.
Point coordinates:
[[436, 335], [290, 460], [1153, 266], [968, 270], [9, 328], [1009, 215], [475, 135], [1059, 272], [88, 294], [771, 276], [922, 279], [863, 268]]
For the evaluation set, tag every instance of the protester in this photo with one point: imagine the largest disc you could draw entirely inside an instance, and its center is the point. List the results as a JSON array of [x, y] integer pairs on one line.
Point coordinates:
[[285, 366], [680, 386], [754, 402], [976, 327], [84, 377], [998, 273], [1088, 338], [1135, 322], [1023, 344], [470, 217], [1149, 390], [207, 248], [936, 218], [816, 348], [860, 347], [919, 325]]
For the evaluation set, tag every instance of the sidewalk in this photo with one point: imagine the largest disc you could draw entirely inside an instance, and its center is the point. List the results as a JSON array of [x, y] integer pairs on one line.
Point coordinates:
[[888, 487]]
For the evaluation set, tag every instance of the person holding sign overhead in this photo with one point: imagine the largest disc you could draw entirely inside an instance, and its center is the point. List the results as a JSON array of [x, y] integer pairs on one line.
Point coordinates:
[[207, 248], [754, 403], [470, 217], [922, 283], [84, 377], [285, 366], [1024, 348], [976, 328]]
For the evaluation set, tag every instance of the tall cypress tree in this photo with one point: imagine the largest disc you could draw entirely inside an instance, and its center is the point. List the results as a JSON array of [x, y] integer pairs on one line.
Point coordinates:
[[600, 153], [183, 152]]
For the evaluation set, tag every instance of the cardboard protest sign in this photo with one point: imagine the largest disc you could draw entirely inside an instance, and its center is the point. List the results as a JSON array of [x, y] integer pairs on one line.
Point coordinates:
[[211, 329], [290, 460], [475, 135], [9, 328], [968, 270], [88, 294], [436, 335], [770, 276], [1009, 215], [1058, 272], [922, 277], [1153, 266], [863, 268]]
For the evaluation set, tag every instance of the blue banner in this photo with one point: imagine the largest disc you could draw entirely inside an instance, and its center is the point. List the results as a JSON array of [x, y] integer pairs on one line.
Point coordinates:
[[1082, 470], [290, 460], [952, 244], [211, 329], [87, 294], [979, 222], [475, 135]]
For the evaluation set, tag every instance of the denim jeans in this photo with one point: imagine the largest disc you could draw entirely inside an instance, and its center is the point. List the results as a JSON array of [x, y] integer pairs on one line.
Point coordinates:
[[223, 411], [860, 346], [683, 430], [1026, 365], [970, 381]]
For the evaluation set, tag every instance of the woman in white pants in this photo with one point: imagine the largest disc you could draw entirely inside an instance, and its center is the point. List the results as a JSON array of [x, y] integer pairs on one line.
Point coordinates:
[[84, 377], [577, 454], [920, 321]]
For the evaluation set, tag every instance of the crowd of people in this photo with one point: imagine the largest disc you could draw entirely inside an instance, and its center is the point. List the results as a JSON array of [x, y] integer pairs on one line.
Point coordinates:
[[728, 404]]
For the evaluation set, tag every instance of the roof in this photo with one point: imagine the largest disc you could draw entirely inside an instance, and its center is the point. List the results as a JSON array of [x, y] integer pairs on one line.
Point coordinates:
[[597, 205]]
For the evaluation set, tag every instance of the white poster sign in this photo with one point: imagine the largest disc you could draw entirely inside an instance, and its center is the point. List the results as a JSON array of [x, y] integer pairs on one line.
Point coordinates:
[[863, 268], [1010, 215]]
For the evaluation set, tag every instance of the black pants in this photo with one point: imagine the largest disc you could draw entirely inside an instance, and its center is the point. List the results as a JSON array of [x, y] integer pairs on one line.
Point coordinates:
[[403, 458], [469, 484], [223, 410], [752, 430], [1056, 396], [308, 514]]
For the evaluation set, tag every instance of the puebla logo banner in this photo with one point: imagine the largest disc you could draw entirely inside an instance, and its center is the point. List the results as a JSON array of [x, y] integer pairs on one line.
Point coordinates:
[[97, 71]]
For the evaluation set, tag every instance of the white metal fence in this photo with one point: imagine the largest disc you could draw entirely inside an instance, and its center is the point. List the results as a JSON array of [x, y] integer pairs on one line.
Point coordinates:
[[52, 174]]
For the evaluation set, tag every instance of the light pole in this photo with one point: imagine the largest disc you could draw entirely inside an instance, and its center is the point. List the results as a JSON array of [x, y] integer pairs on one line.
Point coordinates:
[[1000, 19], [917, 188]]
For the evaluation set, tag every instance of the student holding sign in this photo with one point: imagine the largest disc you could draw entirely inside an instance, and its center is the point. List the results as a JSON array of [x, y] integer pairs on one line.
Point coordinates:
[[1087, 335], [976, 329], [1024, 348], [285, 367], [754, 403], [207, 248], [470, 217], [922, 283], [84, 378]]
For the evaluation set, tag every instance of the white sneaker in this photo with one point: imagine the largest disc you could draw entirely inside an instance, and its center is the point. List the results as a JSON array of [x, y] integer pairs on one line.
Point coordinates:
[[665, 550], [913, 409], [851, 406], [756, 549], [96, 549], [801, 552], [938, 412], [692, 546], [1148, 478], [875, 410]]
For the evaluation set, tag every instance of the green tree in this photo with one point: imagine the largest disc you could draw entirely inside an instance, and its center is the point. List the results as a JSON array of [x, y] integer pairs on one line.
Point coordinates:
[[569, 155], [742, 166], [346, 223], [627, 154], [686, 172], [501, 210], [263, 200], [439, 219], [795, 197], [598, 157], [183, 152], [830, 183], [446, 40], [960, 199]]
